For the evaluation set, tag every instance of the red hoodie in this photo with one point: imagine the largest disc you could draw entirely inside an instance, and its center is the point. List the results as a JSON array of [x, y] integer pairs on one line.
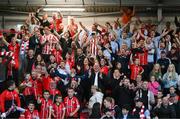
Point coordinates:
[[9, 96]]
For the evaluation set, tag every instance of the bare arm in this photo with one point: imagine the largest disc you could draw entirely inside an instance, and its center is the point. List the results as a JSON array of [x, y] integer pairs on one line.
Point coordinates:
[[164, 33], [131, 60], [177, 40], [75, 111], [141, 34], [28, 19], [60, 14], [142, 71]]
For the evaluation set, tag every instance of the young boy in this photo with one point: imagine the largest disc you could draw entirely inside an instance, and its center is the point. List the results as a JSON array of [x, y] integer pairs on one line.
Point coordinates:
[[72, 104], [28, 91], [31, 113], [53, 90], [136, 69], [58, 108], [46, 105]]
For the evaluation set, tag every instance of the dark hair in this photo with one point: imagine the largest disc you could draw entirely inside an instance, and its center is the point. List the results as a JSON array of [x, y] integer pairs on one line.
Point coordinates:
[[96, 111], [127, 107], [57, 95], [70, 88], [10, 83], [46, 91], [31, 102]]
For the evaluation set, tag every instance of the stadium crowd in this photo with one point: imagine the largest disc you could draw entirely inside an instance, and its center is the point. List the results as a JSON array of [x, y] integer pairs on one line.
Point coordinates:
[[48, 70]]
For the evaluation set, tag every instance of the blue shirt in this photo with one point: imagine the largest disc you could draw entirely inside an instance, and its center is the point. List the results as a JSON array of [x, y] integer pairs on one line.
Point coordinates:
[[168, 82], [114, 46], [127, 41]]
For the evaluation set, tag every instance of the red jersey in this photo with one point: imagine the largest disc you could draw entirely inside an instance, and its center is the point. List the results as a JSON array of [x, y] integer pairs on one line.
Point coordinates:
[[58, 55], [8, 98], [135, 70], [54, 92], [71, 104], [28, 90], [31, 115], [72, 29], [56, 24], [143, 57], [105, 70], [46, 82], [70, 62], [15, 49], [44, 113], [38, 88], [59, 110]]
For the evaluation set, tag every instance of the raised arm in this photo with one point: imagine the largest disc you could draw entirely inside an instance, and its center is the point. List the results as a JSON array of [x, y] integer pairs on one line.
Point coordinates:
[[60, 14], [164, 33], [131, 59], [101, 26], [177, 40], [28, 19], [36, 15], [77, 34], [118, 22], [176, 22], [123, 27], [141, 34], [59, 36], [83, 27], [4, 41]]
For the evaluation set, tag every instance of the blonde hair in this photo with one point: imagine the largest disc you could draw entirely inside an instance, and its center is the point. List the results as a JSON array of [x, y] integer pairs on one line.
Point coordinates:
[[153, 70], [173, 71]]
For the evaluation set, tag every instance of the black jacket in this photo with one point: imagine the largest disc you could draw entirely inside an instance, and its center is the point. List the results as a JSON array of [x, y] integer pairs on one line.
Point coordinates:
[[123, 96], [102, 81], [164, 62], [165, 112], [34, 43]]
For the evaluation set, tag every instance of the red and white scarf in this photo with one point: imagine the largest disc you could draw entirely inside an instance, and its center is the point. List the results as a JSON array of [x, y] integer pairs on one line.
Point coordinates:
[[24, 47], [141, 113], [9, 54]]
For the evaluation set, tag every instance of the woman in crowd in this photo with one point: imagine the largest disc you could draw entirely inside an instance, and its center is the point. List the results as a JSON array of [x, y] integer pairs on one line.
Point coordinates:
[[170, 78]]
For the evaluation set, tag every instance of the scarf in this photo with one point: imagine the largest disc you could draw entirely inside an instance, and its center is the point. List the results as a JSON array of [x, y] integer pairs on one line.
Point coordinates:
[[8, 54], [24, 47], [141, 113]]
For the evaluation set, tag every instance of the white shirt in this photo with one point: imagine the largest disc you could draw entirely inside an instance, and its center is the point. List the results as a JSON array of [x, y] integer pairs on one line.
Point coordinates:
[[125, 116], [96, 79], [97, 97]]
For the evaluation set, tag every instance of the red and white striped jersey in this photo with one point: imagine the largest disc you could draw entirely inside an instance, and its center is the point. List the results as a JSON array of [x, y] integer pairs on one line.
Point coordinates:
[[59, 110], [50, 44], [93, 46], [71, 104]]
